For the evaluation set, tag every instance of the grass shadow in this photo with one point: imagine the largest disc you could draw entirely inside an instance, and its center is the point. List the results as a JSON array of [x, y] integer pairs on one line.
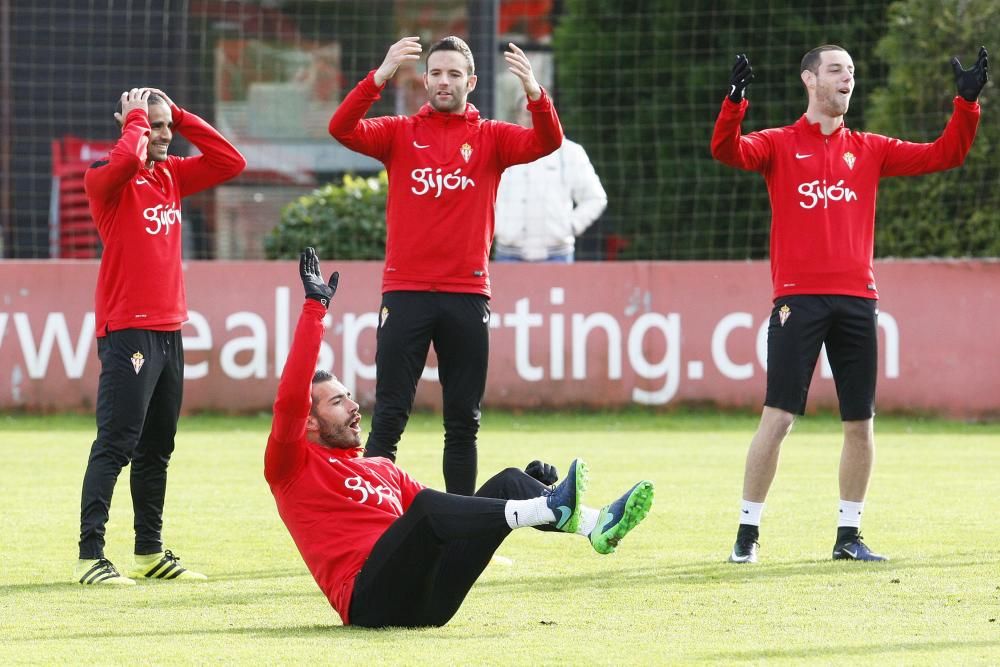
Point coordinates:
[[840, 653]]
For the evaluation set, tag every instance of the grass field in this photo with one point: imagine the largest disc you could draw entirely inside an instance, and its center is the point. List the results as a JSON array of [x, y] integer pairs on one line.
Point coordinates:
[[666, 597]]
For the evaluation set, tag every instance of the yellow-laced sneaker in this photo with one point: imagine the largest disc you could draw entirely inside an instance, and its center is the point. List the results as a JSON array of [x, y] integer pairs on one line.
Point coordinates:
[[98, 571], [163, 565]]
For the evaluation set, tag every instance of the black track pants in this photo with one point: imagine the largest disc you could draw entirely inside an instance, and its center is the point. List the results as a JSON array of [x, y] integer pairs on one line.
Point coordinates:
[[138, 402], [424, 565], [458, 325]]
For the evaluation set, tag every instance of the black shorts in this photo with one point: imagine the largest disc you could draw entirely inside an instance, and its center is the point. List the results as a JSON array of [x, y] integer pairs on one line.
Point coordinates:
[[800, 324]]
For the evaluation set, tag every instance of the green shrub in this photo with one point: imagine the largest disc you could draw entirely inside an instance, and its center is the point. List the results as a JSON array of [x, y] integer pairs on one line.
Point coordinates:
[[954, 213], [341, 220]]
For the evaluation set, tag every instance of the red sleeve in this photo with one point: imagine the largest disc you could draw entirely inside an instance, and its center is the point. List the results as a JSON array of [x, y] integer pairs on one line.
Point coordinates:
[[105, 179], [368, 136], [409, 488], [751, 152], [219, 160], [519, 145], [285, 450], [903, 158]]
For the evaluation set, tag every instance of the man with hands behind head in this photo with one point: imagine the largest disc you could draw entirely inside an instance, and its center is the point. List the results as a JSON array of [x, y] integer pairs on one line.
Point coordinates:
[[822, 179], [444, 165], [135, 200], [385, 550]]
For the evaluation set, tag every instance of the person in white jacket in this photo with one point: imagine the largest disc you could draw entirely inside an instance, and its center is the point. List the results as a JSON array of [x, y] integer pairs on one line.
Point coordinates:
[[544, 205]]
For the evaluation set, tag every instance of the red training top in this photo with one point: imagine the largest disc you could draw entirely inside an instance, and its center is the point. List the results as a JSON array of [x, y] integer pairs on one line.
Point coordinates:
[[823, 191], [138, 215], [443, 169], [334, 503]]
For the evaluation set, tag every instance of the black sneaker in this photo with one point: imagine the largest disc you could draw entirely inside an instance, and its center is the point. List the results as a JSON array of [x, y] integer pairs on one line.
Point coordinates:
[[854, 549], [745, 550], [90, 571]]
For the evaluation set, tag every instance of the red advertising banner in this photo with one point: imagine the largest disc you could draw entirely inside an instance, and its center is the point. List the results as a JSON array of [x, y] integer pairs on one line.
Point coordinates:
[[583, 335]]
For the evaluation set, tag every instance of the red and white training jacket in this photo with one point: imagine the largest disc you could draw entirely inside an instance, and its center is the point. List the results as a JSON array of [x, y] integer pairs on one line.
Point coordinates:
[[137, 211], [823, 190], [444, 170], [334, 503]]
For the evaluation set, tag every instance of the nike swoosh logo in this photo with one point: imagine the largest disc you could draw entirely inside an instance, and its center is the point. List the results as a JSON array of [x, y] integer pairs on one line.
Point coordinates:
[[852, 554], [486, 318], [566, 513], [416, 145], [140, 181], [746, 511], [605, 520], [801, 156]]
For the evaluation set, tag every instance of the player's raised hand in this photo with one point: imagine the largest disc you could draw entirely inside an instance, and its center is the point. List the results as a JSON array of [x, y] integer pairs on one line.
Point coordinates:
[[739, 78], [312, 278], [406, 49], [520, 67], [133, 99], [971, 81], [163, 96]]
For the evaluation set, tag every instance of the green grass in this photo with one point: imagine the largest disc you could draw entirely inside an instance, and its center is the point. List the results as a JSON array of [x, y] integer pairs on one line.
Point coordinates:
[[666, 597]]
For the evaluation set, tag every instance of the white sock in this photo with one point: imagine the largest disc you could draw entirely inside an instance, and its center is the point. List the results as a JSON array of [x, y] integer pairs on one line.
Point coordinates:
[[526, 513], [588, 521], [850, 513], [750, 512]]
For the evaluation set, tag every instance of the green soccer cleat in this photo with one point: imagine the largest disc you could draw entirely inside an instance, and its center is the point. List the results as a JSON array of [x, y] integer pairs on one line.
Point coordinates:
[[90, 571], [616, 520], [566, 500], [164, 565]]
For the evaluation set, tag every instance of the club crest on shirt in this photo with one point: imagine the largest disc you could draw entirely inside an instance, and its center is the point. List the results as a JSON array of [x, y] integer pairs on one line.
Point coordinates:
[[783, 314], [137, 361], [383, 316], [466, 151], [849, 159]]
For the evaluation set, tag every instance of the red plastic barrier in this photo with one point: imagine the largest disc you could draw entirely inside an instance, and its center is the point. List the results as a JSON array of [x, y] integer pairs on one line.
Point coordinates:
[[72, 232]]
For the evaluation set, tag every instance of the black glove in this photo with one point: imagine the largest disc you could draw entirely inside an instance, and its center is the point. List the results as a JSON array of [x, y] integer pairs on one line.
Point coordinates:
[[543, 472], [312, 279], [970, 81], [740, 78]]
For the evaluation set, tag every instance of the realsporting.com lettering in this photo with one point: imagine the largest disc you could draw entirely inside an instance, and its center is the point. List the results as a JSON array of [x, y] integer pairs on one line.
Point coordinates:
[[814, 192], [432, 180]]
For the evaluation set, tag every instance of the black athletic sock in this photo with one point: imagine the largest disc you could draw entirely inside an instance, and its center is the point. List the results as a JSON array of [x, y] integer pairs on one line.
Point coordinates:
[[846, 534], [747, 532]]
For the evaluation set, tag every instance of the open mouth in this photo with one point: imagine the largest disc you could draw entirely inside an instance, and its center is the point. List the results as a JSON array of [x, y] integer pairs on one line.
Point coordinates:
[[355, 424]]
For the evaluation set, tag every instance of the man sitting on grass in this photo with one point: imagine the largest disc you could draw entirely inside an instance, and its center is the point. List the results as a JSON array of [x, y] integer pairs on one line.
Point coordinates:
[[386, 550]]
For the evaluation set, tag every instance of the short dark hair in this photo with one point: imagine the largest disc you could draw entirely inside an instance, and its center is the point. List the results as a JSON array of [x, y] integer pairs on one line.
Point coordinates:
[[452, 43], [810, 61], [150, 101], [318, 378], [323, 376]]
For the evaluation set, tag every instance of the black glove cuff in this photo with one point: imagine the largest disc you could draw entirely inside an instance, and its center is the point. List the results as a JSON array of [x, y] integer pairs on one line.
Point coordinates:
[[323, 300]]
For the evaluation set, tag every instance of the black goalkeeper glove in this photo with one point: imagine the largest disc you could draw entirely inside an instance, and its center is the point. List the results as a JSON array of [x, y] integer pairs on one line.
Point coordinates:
[[740, 78], [971, 81], [312, 279], [543, 472]]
